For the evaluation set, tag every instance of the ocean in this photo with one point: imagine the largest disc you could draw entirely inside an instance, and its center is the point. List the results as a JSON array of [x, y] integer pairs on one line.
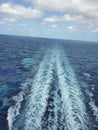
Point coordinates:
[[48, 84]]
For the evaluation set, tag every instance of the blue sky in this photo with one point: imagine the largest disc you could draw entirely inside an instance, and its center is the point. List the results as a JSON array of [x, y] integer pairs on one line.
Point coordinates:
[[64, 19]]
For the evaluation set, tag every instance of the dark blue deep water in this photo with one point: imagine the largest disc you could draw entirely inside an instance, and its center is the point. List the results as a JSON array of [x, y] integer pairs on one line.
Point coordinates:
[[48, 84]]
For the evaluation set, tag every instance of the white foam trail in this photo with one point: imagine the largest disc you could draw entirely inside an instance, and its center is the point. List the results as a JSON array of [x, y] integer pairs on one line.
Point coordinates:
[[59, 122], [39, 94], [72, 104], [36, 102], [76, 117], [91, 102], [94, 108], [92, 105], [54, 117], [13, 111]]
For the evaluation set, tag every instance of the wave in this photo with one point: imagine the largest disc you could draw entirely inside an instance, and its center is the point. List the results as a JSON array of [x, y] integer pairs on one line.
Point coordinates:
[[54, 117], [13, 111], [92, 104], [75, 110], [53, 98], [30, 117]]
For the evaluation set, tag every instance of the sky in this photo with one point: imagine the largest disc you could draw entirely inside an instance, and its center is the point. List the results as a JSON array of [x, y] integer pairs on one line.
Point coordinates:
[[61, 19]]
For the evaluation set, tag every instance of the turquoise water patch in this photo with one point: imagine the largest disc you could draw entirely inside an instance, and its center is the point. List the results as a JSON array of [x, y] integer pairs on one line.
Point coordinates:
[[28, 62], [3, 90]]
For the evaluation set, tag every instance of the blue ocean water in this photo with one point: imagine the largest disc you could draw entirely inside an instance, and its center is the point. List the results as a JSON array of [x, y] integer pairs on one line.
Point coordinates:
[[48, 84]]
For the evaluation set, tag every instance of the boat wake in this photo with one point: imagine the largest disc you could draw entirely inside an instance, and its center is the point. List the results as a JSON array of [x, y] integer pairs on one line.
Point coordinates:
[[54, 100]]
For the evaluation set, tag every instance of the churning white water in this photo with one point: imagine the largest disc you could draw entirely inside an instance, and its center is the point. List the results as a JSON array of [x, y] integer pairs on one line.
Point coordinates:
[[55, 100]]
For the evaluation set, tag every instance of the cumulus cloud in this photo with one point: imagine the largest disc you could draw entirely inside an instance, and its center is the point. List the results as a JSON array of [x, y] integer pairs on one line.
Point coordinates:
[[63, 18], [87, 7], [52, 19], [95, 30], [9, 19], [75, 10], [53, 26], [71, 28], [83, 13], [19, 11]]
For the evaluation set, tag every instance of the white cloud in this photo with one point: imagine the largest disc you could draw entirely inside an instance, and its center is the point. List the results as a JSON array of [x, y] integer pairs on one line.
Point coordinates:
[[63, 18], [71, 17], [83, 13], [19, 11], [53, 26], [75, 10], [95, 30], [71, 28], [52, 19], [87, 7], [9, 19]]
